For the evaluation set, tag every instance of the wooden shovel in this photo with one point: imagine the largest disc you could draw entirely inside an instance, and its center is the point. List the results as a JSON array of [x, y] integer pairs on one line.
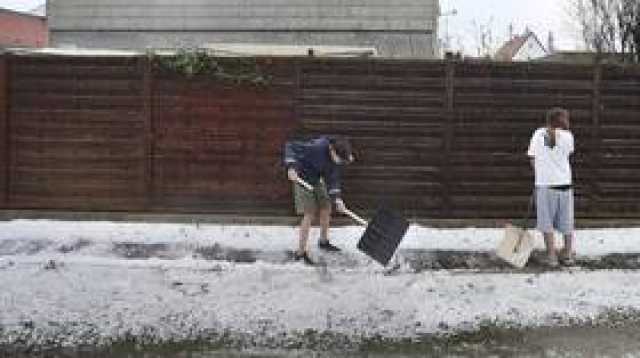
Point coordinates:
[[517, 244]]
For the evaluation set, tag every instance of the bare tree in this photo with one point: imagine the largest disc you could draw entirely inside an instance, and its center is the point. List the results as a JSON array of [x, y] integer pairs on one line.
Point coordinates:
[[609, 26], [485, 42], [629, 27]]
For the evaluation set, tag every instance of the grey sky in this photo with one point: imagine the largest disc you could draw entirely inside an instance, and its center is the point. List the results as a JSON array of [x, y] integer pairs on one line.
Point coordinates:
[[540, 16]]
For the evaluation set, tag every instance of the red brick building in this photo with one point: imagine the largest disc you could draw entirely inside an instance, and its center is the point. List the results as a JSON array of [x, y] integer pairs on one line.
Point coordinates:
[[19, 29]]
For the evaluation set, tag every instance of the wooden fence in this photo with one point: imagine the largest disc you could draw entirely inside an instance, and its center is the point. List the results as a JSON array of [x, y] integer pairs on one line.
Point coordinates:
[[437, 139]]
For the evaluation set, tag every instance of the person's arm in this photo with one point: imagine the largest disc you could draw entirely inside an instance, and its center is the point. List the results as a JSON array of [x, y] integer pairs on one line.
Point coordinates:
[[334, 178], [571, 145], [566, 142], [291, 161], [532, 150]]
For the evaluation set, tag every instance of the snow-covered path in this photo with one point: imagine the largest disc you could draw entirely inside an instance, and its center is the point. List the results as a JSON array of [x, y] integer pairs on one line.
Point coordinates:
[[90, 293], [589, 242]]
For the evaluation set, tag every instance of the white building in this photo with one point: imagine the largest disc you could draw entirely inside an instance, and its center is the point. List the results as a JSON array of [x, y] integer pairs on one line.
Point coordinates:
[[398, 28], [525, 47]]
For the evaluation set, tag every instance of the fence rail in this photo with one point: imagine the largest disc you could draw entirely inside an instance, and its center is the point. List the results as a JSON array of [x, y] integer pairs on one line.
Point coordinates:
[[436, 139]]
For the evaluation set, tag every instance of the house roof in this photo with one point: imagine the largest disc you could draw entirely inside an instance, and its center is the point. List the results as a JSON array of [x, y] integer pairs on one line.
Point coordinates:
[[511, 48], [20, 13], [584, 57], [217, 49], [40, 10], [255, 49]]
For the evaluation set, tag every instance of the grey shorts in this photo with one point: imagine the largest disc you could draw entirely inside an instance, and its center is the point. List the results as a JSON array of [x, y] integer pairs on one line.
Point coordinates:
[[554, 210]]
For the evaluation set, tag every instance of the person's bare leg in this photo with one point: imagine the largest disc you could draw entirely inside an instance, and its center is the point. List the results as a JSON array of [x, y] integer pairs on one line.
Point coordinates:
[[568, 245], [305, 227], [549, 241], [325, 222]]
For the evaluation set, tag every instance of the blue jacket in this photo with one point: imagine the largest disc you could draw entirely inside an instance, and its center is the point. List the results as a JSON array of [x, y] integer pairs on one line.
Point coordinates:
[[312, 161]]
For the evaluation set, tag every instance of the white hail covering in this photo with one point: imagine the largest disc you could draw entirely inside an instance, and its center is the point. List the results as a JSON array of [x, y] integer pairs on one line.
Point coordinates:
[[92, 291]]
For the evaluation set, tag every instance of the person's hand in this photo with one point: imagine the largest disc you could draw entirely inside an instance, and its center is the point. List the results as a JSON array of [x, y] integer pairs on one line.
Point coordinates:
[[292, 174], [340, 206]]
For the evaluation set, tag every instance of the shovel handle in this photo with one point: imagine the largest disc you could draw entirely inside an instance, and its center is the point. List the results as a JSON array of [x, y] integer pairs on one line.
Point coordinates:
[[304, 184], [347, 212], [355, 217]]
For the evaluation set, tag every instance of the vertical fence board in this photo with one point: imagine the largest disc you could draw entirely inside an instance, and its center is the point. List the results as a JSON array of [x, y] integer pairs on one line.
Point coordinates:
[[4, 127], [149, 138], [594, 145], [449, 121]]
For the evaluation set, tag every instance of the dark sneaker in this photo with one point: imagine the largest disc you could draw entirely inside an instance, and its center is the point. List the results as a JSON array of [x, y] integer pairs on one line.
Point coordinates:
[[326, 246], [305, 257], [567, 260], [550, 261]]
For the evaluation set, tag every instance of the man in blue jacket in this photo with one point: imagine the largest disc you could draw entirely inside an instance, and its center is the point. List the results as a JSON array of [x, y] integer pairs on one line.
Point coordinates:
[[318, 162]]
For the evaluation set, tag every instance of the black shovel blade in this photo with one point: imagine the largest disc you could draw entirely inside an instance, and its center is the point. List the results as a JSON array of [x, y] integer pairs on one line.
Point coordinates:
[[383, 235]]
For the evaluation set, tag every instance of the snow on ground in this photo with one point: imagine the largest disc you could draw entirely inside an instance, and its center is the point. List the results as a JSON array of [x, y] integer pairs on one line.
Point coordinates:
[[268, 238], [90, 294]]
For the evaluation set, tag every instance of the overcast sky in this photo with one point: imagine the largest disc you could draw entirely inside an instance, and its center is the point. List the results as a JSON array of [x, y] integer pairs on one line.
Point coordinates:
[[21, 5], [541, 16]]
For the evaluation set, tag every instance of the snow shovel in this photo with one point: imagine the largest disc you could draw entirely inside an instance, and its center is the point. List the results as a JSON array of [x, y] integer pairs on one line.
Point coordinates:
[[517, 244], [382, 235]]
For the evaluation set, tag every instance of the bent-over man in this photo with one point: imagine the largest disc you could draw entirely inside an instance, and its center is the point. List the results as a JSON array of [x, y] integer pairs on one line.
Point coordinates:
[[318, 162]]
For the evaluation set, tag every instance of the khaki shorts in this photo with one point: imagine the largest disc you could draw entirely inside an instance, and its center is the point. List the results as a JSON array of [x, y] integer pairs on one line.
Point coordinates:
[[311, 201]]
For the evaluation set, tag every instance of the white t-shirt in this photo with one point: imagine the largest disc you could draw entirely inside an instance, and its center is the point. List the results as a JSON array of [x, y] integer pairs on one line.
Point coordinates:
[[552, 165]]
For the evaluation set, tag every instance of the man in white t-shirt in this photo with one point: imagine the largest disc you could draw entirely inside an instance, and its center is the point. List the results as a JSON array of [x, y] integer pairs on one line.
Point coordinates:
[[550, 150]]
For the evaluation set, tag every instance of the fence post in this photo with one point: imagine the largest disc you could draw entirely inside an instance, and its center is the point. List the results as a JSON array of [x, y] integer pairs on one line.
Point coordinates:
[[449, 119], [149, 132], [4, 130], [297, 92], [595, 155]]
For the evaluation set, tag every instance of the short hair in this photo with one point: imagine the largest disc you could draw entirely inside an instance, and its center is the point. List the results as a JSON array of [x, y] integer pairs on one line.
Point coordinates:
[[343, 148]]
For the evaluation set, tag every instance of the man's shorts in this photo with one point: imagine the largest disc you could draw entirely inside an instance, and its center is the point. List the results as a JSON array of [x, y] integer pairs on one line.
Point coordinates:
[[555, 210], [311, 201]]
